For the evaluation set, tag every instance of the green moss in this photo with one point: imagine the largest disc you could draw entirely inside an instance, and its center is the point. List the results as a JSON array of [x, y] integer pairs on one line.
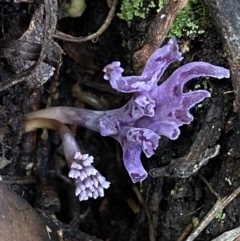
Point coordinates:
[[190, 21], [221, 216], [135, 8]]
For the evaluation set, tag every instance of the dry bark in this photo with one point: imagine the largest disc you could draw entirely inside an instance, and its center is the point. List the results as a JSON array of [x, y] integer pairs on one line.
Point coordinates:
[[226, 15]]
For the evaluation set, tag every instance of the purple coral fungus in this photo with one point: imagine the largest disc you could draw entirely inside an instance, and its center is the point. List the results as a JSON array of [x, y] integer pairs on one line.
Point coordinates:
[[152, 112]]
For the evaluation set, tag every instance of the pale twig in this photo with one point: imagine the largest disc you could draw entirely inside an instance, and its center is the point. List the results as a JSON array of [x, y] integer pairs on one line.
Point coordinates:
[[219, 205], [66, 37]]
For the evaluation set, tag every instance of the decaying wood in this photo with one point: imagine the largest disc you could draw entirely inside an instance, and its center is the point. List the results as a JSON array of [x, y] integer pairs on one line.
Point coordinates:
[[28, 51], [227, 18], [18, 220], [40, 31], [232, 235], [157, 32], [63, 232], [203, 148]]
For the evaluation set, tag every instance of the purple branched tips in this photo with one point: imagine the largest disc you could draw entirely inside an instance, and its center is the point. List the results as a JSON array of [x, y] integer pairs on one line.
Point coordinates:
[[113, 71], [132, 162], [88, 181]]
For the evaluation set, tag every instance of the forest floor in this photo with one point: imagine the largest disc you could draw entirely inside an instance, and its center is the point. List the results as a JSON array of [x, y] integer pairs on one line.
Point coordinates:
[[175, 198]]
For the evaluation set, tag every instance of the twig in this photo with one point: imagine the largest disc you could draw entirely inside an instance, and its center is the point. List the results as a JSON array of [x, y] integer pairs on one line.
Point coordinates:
[[19, 180], [185, 232], [210, 188], [66, 37], [219, 205], [157, 32], [141, 200]]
